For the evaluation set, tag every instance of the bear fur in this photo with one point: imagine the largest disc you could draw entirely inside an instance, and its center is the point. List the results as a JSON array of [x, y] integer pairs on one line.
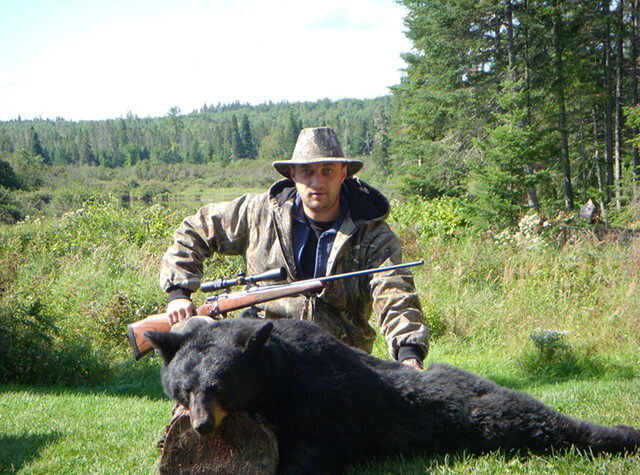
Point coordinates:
[[331, 405]]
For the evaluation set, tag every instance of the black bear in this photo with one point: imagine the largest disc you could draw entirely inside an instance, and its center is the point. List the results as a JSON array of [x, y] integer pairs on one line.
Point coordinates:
[[331, 405]]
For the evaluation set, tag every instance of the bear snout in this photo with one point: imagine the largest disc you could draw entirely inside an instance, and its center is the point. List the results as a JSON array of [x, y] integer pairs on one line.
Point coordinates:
[[205, 413], [202, 425]]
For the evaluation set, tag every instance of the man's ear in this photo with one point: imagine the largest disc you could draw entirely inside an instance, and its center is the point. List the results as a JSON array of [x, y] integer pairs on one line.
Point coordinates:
[[258, 338], [292, 172], [344, 172], [166, 343]]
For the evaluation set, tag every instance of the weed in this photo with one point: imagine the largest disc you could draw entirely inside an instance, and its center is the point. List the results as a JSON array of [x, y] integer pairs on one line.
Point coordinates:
[[550, 342]]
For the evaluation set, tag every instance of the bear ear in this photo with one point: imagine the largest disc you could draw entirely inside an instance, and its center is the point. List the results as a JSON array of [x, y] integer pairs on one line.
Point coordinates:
[[258, 338], [166, 343]]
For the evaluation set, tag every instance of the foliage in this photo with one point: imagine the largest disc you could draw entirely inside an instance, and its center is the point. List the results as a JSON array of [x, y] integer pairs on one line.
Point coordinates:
[[85, 273], [212, 134], [497, 183], [32, 349], [10, 209], [532, 233], [550, 342], [440, 102], [517, 104], [442, 217], [627, 218], [28, 169], [8, 178]]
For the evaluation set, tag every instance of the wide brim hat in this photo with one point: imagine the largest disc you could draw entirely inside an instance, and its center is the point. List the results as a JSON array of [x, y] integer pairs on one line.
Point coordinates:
[[317, 145]]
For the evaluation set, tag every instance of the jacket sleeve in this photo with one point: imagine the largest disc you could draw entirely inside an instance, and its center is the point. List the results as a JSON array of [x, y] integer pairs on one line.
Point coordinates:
[[217, 227], [395, 300]]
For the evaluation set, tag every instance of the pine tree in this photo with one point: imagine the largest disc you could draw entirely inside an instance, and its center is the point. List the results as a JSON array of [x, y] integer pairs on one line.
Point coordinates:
[[247, 138], [34, 146], [237, 147], [85, 150], [291, 131], [442, 102], [499, 182], [380, 151], [8, 178]]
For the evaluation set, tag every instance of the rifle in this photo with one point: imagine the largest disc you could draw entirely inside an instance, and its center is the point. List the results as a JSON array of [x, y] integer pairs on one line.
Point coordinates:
[[222, 303]]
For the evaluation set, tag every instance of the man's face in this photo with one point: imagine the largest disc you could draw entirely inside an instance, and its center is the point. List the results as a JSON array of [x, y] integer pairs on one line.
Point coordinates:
[[318, 185]]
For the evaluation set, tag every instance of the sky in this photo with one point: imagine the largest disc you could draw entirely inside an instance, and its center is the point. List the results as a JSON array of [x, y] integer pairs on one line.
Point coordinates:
[[101, 59]]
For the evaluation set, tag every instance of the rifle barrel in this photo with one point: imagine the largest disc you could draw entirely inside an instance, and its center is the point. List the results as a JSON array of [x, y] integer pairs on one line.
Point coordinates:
[[370, 271]]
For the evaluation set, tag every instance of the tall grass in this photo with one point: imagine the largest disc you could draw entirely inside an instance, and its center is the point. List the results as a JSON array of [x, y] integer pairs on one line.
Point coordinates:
[[69, 284], [75, 281], [497, 289]]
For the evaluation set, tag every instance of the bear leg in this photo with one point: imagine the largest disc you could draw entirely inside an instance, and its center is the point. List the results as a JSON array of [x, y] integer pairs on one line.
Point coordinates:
[[506, 419], [597, 438]]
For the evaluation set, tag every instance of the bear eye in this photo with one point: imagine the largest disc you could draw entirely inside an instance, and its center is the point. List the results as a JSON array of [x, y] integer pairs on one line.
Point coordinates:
[[183, 399], [217, 387]]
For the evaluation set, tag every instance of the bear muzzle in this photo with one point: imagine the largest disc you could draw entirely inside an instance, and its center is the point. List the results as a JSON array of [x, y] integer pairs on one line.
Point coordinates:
[[205, 413]]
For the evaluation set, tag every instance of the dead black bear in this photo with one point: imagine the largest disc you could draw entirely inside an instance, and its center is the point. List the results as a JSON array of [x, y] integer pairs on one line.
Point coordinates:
[[331, 405]]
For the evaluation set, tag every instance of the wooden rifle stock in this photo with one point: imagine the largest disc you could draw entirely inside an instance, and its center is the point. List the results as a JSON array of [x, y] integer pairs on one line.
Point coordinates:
[[222, 303], [158, 322]]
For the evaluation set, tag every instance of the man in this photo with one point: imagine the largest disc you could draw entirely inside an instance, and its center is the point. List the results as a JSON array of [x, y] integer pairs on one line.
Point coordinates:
[[320, 220]]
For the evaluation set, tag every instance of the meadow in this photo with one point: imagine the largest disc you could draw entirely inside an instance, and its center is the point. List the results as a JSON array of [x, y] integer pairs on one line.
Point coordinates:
[[546, 309]]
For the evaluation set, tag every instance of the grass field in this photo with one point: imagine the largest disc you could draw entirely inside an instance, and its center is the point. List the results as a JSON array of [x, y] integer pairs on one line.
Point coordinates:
[[73, 400]]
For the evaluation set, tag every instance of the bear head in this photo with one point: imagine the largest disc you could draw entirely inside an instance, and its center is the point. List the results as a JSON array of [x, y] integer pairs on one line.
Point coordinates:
[[214, 370]]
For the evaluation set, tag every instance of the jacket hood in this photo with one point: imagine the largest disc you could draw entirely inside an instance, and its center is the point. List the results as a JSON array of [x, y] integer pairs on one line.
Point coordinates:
[[365, 202]]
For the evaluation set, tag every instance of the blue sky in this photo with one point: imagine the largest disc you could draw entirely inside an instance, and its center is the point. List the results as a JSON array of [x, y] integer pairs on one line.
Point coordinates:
[[89, 59]]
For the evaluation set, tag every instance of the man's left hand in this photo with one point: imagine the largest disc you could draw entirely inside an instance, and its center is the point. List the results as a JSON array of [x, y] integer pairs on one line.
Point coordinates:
[[414, 363]]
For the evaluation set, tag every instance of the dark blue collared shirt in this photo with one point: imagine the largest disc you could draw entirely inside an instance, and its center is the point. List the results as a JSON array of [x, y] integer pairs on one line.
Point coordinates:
[[302, 232]]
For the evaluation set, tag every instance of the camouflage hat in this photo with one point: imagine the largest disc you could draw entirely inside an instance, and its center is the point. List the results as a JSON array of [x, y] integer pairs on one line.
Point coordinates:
[[317, 145]]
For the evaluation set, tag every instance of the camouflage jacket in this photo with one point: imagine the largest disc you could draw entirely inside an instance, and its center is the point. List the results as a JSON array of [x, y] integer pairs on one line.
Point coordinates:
[[259, 227]]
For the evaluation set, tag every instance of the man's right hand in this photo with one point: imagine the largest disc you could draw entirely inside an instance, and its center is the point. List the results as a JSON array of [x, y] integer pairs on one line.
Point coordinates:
[[180, 309]]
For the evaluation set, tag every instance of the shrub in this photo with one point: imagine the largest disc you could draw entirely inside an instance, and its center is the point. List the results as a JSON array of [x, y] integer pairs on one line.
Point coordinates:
[[10, 208], [441, 217], [70, 285], [32, 350], [8, 178]]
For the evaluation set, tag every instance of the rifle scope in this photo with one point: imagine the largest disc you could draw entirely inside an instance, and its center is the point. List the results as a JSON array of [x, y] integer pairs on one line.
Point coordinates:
[[219, 284]]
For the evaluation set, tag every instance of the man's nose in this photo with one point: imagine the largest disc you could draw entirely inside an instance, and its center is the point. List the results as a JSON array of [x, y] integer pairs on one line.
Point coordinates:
[[315, 179]]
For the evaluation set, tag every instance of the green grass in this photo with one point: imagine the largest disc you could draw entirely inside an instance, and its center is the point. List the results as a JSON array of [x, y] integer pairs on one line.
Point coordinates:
[[68, 431], [73, 401]]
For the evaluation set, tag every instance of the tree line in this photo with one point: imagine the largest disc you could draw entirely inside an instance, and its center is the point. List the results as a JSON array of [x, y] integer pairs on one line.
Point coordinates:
[[220, 133]]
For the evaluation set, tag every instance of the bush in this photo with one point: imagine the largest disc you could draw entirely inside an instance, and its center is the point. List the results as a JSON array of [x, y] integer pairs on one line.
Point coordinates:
[[8, 178], [29, 170], [70, 285], [11, 210], [32, 350], [442, 217]]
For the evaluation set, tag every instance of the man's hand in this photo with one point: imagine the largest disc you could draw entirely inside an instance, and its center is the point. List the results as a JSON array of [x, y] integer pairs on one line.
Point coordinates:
[[414, 363], [180, 309]]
